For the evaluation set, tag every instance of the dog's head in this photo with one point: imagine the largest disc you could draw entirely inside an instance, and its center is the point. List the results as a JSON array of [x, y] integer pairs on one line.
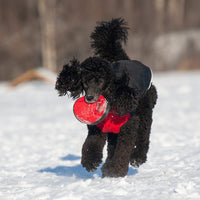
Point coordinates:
[[96, 75], [91, 77]]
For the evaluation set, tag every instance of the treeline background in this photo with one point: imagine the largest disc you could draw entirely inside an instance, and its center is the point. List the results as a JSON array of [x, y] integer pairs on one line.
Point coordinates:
[[163, 34]]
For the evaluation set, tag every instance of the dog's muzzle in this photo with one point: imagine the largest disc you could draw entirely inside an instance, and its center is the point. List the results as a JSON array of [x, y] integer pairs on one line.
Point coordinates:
[[90, 99]]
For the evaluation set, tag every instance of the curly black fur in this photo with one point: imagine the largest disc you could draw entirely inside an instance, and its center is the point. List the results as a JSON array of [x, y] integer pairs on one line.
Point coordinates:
[[107, 39], [95, 76], [69, 80]]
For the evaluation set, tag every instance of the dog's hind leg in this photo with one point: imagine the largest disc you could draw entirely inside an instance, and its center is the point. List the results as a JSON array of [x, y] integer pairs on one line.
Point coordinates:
[[145, 110], [92, 149], [139, 152]]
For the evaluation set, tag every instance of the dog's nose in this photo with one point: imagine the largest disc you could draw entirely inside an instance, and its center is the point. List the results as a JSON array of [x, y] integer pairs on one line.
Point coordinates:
[[89, 98]]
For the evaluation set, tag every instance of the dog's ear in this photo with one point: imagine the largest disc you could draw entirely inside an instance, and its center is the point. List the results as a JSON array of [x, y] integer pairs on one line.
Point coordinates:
[[134, 74], [69, 80]]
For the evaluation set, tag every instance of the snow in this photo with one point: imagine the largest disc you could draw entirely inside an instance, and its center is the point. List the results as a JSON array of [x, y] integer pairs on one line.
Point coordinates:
[[41, 140]]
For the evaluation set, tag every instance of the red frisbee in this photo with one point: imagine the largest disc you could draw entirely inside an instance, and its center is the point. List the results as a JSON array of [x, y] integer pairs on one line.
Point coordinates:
[[91, 113]]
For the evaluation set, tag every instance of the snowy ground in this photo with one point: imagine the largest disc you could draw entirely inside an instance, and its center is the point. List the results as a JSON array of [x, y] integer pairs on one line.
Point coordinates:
[[40, 145]]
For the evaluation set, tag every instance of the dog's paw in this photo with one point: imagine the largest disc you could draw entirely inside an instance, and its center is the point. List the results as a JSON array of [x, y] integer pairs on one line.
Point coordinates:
[[91, 166], [137, 162], [112, 170], [91, 161]]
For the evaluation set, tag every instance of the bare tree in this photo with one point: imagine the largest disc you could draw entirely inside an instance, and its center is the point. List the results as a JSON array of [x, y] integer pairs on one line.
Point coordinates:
[[47, 12]]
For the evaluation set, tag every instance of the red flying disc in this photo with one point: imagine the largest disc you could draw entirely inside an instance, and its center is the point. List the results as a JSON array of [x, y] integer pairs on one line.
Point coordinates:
[[91, 113]]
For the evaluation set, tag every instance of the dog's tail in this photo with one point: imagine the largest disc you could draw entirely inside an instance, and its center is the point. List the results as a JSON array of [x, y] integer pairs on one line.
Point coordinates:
[[107, 39]]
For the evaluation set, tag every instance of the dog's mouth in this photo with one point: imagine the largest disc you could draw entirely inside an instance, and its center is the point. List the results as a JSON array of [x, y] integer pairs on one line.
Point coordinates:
[[91, 98]]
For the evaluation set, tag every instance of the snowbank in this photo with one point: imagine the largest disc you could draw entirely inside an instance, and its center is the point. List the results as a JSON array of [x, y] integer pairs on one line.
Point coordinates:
[[41, 143]]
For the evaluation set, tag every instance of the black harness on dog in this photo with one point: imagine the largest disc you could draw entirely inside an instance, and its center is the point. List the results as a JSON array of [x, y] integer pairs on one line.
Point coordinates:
[[139, 77]]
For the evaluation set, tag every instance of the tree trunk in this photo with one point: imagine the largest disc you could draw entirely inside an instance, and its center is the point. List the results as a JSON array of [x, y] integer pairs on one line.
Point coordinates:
[[47, 12]]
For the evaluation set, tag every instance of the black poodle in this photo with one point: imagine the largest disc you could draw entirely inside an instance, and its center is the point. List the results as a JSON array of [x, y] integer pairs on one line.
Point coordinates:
[[126, 85]]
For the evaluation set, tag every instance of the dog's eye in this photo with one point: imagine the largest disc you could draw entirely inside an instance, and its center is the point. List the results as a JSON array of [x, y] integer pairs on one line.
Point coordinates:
[[100, 81], [85, 85]]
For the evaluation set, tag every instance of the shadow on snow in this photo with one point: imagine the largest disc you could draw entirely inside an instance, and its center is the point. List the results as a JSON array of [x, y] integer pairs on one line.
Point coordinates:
[[77, 170]]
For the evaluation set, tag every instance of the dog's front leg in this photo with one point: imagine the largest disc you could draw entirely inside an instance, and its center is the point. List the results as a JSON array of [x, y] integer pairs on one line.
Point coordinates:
[[92, 149], [118, 165]]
